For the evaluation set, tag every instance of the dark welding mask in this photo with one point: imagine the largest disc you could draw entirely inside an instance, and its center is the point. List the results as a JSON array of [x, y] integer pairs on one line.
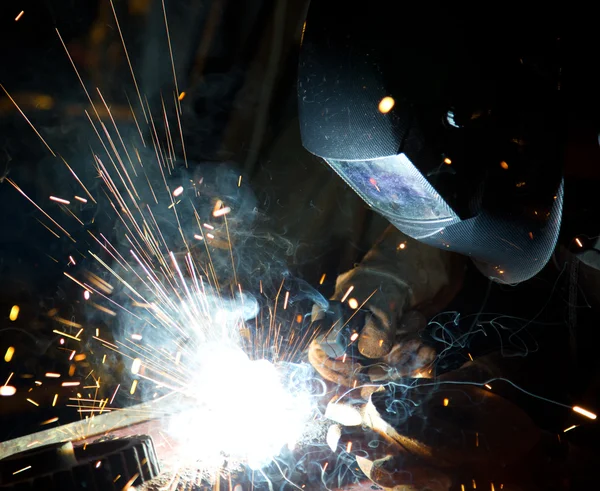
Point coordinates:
[[446, 122]]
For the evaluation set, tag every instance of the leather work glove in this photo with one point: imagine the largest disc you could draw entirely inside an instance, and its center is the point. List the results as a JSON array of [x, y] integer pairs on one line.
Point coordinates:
[[399, 283]]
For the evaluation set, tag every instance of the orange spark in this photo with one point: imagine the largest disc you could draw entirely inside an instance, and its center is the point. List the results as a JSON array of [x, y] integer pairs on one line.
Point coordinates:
[[584, 412], [353, 303], [347, 294], [9, 354], [7, 390], [285, 301], [386, 104], [221, 212], [60, 200]]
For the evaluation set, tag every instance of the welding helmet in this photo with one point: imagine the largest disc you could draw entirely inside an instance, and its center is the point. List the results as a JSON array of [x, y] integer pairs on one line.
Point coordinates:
[[448, 122]]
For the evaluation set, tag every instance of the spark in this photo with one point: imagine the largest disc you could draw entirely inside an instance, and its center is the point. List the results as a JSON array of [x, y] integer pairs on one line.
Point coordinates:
[[80, 357], [54, 400], [67, 322], [349, 447], [136, 365], [570, 428], [114, 394], [33, 402], [48, 421], [578, 242], [83, 200], [103, 341], [29, 122], [181, 96], [86, 294], [9, 354], [386, 104], [129, 484], [60, 200], [285, 302], [322, 280], [584, 412], [447, 161], [101, 308], [133, 387], [136, 337], [52, 375], [170, 50], [14, 312], [446, 402], [19, 15], [354, 337], [504, 165], [76, 281], [71, 357], [70, 384], [221, 212], [178, 191], [373, 181], [23, 469], [126, 56], [488, 386], [353, 303], [7, 390], [347, 294], [402, 245], [240, 181]]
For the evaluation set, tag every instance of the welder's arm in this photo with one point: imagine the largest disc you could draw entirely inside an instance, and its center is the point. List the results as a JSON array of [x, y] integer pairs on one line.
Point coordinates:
[[401, 283]]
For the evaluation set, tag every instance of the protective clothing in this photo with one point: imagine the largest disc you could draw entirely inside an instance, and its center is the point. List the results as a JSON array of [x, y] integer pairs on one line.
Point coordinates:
[[400, 282], [453, 133]]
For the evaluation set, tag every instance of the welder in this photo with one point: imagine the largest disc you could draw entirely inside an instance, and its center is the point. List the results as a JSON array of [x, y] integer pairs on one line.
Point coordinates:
[[450, 122]]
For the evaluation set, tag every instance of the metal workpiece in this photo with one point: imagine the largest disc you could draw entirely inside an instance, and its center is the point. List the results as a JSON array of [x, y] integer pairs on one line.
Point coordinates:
[[108, 465]]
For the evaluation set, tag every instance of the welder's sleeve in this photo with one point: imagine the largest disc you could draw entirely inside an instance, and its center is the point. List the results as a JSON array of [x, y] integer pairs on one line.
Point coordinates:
[[398, 275]]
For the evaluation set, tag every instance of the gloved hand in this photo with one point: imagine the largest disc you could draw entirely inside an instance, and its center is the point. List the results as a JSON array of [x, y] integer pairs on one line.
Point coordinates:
[[397, 276]]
